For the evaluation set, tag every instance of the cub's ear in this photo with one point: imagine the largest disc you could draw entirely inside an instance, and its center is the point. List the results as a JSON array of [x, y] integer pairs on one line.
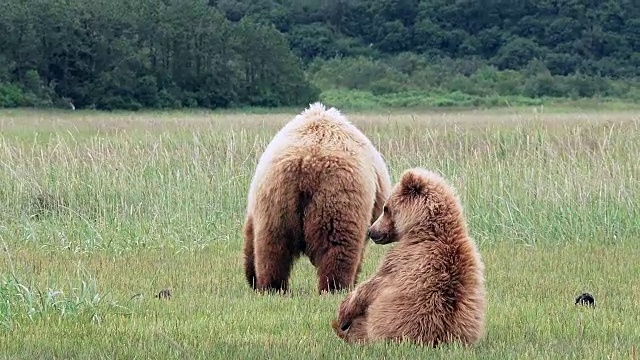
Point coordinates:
[[411, 184]]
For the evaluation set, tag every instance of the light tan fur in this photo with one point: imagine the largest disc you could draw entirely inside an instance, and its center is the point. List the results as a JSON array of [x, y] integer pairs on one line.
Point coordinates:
[[318, 186], [429, 288]]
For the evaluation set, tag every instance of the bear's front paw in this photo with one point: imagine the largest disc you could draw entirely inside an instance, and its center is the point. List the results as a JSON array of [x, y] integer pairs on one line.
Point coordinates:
[[340, 329], [345, 325]]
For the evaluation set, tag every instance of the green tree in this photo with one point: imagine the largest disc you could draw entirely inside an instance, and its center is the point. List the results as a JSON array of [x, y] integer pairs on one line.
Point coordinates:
[[272, 75]]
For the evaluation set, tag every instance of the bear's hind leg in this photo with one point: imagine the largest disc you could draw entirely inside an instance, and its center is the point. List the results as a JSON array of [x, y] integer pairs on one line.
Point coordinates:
[[335, 245], [335, 233], [274, 257], [249, 256], [337, 268]]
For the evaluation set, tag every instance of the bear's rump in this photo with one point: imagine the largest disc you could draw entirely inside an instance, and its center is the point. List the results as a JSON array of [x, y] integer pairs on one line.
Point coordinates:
[[397, 314], [320, 172], [327, 182]]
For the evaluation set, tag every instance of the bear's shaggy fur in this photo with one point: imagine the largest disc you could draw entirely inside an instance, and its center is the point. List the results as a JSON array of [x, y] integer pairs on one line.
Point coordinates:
[[429, 289], [317, 188]]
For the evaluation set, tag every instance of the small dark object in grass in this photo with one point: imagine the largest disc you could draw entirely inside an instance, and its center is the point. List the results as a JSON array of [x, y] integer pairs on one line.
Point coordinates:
[[586, 299], [164, 294], [46, 203]]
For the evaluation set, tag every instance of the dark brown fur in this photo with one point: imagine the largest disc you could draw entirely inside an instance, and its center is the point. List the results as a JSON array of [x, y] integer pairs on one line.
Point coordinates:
[[317, 188], [429, 289]]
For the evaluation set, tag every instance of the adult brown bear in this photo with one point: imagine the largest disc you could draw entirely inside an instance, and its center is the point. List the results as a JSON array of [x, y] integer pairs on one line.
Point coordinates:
[[429, 289], [318, 186]]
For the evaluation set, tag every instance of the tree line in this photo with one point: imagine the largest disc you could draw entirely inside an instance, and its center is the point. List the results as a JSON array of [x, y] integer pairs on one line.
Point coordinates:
[[586, 36], [131, 54]]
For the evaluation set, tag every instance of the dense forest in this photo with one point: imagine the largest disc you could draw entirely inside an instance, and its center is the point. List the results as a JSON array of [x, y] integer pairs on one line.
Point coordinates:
[[132, 54]]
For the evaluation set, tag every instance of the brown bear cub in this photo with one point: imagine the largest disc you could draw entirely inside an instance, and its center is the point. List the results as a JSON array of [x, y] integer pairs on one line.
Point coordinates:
[[429, 288], [317, 188]]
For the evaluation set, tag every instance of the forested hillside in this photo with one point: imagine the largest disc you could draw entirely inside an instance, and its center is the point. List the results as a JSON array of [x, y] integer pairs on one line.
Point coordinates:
[[130, 54]]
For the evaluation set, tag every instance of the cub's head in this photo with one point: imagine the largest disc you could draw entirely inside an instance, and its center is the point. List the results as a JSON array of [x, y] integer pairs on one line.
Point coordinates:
[[420, 197]]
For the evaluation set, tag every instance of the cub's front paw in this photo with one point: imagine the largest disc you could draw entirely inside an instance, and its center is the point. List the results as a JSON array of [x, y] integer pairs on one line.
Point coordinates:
[[340, 329], [344, 325]]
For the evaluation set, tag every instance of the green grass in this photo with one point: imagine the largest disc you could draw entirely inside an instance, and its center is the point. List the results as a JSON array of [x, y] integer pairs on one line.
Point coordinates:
[[99, 212], [456, 100]]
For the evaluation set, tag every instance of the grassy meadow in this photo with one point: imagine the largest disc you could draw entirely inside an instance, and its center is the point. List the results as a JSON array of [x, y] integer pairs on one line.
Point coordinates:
[[101, 211]]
